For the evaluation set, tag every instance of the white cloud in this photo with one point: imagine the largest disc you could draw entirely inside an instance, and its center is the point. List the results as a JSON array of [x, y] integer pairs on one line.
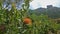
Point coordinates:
[[34, 4], [43, 3]]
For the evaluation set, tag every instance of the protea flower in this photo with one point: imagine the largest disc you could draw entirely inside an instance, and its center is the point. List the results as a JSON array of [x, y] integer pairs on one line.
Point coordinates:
[[27, 20]]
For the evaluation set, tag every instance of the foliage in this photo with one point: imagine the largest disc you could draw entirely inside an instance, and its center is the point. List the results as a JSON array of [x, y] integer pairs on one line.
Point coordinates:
[[13, 21]]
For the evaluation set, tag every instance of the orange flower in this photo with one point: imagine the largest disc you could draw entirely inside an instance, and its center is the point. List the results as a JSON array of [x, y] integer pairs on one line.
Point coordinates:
[[27, 20]]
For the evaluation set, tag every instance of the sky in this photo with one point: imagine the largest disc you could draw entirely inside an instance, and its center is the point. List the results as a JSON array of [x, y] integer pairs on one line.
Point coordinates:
[[36, 4], [43, 3]]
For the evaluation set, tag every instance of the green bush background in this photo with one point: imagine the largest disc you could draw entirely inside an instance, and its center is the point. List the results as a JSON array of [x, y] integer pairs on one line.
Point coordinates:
[[13, 21]]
